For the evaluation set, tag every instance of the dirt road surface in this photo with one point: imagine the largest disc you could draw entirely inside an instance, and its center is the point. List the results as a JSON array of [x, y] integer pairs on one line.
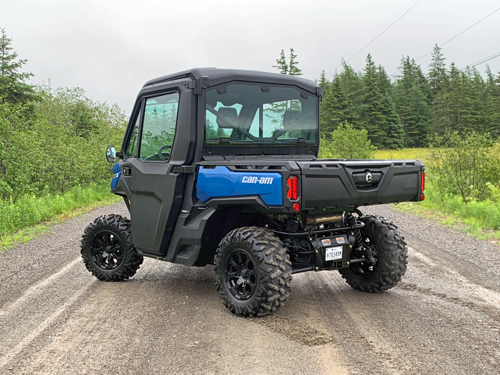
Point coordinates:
[[444, 318]]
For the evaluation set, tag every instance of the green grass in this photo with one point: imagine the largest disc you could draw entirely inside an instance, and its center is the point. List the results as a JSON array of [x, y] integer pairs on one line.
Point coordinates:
[[29, 216], [478, 219], [423, 154]]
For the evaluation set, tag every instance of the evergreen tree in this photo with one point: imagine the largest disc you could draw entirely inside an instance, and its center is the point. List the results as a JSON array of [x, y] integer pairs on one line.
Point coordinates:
[[378, 114], [13, 88], [393, 127], [353, 85], [336, 108], [423, 83], [474, 92], [492, 104], [289, 67], [323, 81], [441, 123], [437, 71], [411, 104], [281, 63], [293, 70], [386, 88]]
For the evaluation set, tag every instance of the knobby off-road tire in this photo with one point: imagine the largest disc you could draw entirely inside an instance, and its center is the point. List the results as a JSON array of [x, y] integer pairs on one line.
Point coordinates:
[[391, 254], [253, 271], [107, 249]]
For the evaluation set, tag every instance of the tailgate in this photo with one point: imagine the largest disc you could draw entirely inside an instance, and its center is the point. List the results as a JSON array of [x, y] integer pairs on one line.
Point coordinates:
[[352, 183]]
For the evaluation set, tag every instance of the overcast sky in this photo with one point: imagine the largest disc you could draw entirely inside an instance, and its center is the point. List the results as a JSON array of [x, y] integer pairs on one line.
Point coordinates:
[[110, 48]]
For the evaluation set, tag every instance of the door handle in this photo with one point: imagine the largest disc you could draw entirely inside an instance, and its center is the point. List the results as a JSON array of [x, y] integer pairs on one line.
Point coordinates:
[[127, 171]]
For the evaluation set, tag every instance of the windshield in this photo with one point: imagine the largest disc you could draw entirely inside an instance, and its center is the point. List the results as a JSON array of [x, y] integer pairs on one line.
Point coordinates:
[[243, 113]]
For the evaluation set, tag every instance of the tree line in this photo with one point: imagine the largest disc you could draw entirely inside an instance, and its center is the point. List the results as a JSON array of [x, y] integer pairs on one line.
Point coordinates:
[[414, 108], [51, 140]]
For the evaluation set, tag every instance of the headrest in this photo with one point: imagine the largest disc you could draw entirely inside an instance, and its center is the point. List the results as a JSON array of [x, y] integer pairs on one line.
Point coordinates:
[[230, 114], [290, 116]]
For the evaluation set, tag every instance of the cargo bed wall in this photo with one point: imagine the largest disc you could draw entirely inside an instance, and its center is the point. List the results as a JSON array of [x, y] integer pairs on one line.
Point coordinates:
[[353, 183]]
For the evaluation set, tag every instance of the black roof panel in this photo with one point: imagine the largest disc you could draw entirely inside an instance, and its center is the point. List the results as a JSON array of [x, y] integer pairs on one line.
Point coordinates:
[[218, 76]]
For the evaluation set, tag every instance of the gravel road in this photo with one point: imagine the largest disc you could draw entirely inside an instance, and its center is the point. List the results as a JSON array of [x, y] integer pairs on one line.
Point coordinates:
[[55, 318]]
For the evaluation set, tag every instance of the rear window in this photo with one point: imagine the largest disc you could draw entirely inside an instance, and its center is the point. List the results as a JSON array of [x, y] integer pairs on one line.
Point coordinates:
[[249, 114]]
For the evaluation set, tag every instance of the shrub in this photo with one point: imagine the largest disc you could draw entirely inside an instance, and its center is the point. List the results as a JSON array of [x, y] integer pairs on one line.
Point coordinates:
[[347, 143], [464, 166]]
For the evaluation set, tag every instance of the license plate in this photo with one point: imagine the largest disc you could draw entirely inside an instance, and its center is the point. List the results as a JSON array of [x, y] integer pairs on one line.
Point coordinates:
[[333, 253]]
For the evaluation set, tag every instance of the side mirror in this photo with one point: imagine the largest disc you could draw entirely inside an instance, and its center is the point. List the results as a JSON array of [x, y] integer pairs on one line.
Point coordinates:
[[111, 154]]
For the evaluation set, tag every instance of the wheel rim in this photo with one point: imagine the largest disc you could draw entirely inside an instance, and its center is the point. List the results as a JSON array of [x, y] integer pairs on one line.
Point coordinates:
[[240, 274], [365, 268], [107, 250]]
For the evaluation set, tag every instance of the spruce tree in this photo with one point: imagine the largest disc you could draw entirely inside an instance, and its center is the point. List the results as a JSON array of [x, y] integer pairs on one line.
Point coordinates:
[[281, 63], [353, 85], [378, 115], [492, 106], [393, 127], [372, 118], [442, 102], [293, 70], [437, 71], [13, 86], [462, 115], [495, 118], [475, 89], [411, 104], [336, 108], [323, 81], [289, 67]]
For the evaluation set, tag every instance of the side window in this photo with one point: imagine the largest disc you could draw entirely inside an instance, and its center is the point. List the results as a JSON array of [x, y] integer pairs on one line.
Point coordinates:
[[132, 143], [158, 130]]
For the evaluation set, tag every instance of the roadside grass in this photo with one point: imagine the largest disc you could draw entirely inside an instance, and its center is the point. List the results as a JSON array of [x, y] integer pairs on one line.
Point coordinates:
[[423, 154], [30, 216], [478, 219]]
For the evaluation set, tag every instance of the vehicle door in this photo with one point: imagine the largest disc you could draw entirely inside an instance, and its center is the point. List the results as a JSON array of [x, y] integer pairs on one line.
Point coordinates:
[[155, 150]]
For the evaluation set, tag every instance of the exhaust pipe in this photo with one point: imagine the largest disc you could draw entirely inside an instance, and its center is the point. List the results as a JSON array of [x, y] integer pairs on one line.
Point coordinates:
[[325, 219]]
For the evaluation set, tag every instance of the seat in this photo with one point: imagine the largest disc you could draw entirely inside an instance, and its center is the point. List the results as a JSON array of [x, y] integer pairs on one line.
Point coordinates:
[[228, 118], [290, 116]]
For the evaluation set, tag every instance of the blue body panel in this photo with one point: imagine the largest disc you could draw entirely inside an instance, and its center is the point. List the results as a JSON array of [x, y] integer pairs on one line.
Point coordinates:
[[116, 175], [220, 182]]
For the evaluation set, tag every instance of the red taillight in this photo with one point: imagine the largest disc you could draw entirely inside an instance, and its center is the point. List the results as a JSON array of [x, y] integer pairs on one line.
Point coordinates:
[[296, 207], [422, 186], [293, 188]]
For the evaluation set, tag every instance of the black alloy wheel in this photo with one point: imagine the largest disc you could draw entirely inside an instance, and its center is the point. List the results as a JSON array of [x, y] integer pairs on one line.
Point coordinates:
[[240, 275], [253, 271], [107, 250]]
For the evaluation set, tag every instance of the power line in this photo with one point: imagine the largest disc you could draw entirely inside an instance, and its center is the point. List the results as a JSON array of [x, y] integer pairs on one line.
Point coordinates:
[[482, 61], [378, 36], [449, 40], [479, 62]]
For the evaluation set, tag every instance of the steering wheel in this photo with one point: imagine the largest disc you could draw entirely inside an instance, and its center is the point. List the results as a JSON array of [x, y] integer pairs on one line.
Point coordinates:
[[160, 152]]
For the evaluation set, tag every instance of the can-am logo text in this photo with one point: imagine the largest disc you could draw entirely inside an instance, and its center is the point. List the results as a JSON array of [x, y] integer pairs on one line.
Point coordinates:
[[257, 180]]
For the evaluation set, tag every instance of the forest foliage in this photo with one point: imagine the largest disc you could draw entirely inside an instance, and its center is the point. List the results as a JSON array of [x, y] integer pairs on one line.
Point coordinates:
[[413, 108], [51, 140]]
